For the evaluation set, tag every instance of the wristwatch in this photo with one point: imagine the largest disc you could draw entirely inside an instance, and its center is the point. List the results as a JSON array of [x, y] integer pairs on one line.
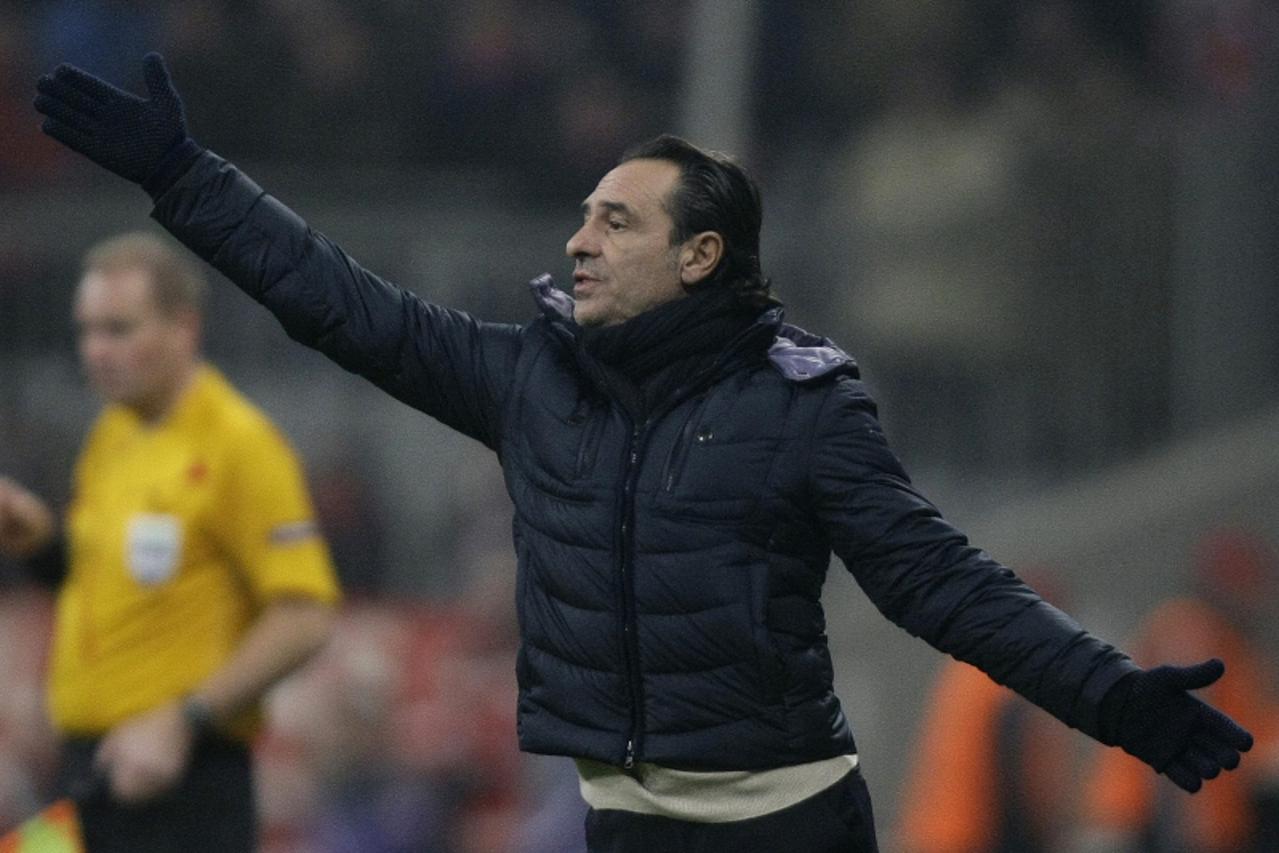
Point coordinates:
[[198, 716]]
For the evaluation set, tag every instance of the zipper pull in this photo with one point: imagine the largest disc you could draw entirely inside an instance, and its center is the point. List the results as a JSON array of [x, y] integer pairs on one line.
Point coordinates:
[[635, 437], [630, 755]]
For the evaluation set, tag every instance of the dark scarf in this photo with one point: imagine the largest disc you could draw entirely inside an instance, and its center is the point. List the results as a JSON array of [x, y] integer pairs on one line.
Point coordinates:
[[660, 349]]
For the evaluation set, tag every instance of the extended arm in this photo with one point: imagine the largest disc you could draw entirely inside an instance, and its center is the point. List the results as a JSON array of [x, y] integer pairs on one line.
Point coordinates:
[[441, 361], [922, 573]]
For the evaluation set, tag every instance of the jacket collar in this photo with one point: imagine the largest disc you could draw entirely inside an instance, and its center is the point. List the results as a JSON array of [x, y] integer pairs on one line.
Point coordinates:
[[798, 355]]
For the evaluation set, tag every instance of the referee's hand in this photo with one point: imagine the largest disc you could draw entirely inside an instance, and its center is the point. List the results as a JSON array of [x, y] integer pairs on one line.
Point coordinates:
[[26, 523], [146, 756]]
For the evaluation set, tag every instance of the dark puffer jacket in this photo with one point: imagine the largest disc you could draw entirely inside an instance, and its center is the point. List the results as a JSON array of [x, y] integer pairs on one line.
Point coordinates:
[[669, 570]]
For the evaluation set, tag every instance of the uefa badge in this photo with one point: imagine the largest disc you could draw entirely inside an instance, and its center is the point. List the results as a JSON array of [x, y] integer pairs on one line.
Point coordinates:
[[154, 545]]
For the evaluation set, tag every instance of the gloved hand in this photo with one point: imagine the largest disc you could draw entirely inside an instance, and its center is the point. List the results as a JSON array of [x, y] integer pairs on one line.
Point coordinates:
[[1152, 716], [144, 141]]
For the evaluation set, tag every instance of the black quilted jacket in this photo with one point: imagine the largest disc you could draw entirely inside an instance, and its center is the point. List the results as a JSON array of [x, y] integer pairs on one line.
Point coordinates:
[[670, 569]]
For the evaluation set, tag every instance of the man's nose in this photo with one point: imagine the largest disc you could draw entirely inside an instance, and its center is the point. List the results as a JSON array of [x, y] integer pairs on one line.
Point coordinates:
[[93, 349], [582, 243]]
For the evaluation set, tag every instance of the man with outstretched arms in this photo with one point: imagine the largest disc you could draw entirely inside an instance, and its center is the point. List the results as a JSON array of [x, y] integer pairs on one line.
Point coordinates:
[[682, 465]]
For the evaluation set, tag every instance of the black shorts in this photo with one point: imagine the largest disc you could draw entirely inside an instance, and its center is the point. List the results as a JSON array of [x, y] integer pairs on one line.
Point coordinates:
[[212, 810], [836, 820]]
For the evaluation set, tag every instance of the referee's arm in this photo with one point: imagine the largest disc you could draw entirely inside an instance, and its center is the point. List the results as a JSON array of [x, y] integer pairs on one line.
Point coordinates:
[[29, 533]]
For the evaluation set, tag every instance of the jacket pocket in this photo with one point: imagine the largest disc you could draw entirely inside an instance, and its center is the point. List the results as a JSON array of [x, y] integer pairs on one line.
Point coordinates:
[[588, 445], [770, 666], [690, 434], [772, 670]]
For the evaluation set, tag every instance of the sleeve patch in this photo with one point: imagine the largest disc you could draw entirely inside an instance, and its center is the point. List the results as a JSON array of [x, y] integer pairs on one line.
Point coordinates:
[[287, 534]]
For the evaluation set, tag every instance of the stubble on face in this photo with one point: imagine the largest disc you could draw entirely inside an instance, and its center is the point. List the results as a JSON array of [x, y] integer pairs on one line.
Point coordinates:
[[624, 263]]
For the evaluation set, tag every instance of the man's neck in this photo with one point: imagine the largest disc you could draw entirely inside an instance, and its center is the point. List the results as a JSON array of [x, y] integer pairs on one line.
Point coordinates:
[[154, 410]]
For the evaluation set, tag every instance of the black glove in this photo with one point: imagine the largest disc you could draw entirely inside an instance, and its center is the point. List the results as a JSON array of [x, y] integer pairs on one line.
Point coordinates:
[[144, 141], [1150, 715]]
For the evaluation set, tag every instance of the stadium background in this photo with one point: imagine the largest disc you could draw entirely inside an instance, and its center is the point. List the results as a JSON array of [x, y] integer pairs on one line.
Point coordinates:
[[1045, 228]]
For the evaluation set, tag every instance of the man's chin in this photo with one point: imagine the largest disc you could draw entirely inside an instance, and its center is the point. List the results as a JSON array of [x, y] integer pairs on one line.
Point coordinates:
[[586, 318], [111, 393]]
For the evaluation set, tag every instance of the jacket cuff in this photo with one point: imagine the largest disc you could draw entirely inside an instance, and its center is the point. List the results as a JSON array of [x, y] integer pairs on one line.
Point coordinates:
[[171, 167], [1098, 696]]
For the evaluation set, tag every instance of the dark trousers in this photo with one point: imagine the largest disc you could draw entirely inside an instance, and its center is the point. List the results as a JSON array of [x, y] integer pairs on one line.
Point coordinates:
[[836, 820], [212, 809]]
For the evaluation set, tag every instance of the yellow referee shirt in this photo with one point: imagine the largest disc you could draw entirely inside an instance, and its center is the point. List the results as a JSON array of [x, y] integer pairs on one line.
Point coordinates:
[[178, 533]]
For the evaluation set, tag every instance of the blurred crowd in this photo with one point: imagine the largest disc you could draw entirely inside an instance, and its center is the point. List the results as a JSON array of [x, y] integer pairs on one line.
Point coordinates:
[[529, 88], [992, 773], [971, 196], [399, 738], [549, 91]]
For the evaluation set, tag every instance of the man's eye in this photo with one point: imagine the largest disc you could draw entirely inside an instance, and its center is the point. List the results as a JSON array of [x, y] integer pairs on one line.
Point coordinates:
[[616, 224]]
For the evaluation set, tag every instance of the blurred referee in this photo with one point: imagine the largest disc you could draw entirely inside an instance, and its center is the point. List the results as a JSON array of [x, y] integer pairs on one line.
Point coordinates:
[[190, 573]]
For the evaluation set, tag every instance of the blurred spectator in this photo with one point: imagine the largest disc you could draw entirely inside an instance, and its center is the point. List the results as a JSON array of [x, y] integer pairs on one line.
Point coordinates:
[[989, 770], [331, 778], [997, 207], [350, 514], [556, 814], [28, 746], [1229, 616], [104, 34], [26, 158], [402, 738]]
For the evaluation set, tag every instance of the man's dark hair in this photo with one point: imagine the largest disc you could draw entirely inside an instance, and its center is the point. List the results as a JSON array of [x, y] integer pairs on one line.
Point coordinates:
[[714, 194]]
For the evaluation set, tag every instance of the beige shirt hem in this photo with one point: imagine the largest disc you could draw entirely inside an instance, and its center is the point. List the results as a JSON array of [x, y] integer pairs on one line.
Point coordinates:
[[707, 797]]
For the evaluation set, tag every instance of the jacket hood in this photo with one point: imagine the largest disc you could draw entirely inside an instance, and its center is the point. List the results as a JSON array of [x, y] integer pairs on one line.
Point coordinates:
[[803, 357]]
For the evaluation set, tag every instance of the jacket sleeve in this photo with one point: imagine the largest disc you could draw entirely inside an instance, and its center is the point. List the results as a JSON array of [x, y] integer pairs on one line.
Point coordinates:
[[922, 573], [443, 362]]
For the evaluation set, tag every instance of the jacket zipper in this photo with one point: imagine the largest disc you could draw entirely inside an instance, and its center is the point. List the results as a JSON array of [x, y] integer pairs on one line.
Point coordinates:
[[630, 640]]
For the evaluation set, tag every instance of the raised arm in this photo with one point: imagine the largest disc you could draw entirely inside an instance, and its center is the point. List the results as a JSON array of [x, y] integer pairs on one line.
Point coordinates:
[[922, 573], [441, 361]]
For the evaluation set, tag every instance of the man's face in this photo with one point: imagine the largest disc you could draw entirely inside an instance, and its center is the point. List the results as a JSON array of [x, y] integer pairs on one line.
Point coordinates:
[[624, 261], [133, 353]]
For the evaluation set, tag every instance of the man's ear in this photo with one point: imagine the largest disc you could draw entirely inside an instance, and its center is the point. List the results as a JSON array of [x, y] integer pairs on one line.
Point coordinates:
[[699, 257]]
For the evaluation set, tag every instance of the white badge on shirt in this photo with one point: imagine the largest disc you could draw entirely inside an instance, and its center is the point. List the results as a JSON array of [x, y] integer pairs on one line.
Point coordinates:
[[154, 547]]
